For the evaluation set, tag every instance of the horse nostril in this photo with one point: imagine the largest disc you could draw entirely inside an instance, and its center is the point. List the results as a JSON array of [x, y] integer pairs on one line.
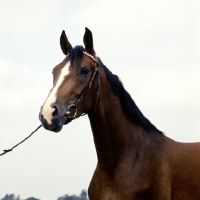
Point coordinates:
[[56, 110]]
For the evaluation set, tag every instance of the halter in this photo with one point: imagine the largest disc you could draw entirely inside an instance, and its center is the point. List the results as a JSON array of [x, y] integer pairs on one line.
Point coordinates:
[[73, 107]]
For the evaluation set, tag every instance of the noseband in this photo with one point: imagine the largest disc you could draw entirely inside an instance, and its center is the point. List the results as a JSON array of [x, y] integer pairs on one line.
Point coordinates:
[[74, 107]]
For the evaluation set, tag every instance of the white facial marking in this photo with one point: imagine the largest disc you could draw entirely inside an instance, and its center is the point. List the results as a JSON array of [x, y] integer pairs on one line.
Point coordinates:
[[47, 110]]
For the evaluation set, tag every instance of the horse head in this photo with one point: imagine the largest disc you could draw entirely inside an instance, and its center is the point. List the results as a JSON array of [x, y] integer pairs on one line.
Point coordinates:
[[73, 78]]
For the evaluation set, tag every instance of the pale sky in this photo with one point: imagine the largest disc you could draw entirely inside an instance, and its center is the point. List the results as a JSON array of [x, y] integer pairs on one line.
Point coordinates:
[[152, 45]]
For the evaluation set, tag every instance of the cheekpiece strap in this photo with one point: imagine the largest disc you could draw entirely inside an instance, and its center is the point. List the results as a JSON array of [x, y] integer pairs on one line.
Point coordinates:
[[80, 100]]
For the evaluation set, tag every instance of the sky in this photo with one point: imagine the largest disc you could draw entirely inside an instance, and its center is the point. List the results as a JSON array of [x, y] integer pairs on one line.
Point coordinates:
[[152, 45]]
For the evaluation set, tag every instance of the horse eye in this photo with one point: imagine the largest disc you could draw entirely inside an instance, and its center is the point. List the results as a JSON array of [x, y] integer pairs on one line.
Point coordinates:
[[85, 71]]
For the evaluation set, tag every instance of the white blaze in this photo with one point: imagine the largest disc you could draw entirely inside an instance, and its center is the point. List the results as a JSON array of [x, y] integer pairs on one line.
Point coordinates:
[[47, 110]]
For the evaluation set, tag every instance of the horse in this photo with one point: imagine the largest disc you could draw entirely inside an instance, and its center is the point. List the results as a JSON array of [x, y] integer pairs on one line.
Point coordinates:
[[135, 160]]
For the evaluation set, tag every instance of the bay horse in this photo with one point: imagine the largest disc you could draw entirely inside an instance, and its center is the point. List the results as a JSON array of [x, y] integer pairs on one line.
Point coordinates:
[[136, 161]]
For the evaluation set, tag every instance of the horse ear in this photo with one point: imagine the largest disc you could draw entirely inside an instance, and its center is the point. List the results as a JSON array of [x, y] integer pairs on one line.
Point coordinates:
[[64, 43], [88, 41]]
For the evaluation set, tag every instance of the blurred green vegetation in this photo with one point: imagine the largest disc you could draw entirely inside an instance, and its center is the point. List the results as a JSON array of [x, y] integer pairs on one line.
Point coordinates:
[[82, 196]]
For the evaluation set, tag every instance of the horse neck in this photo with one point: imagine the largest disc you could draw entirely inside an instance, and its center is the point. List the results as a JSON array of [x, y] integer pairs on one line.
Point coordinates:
[[115, 135]]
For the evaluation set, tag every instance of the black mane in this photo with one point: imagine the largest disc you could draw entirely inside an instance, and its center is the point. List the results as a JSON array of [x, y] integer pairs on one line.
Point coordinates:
[[76, 55], [128, 105]]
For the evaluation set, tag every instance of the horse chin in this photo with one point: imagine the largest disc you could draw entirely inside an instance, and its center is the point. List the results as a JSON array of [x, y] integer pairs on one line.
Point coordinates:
[[59, 127], [68, 120], [53, 127]]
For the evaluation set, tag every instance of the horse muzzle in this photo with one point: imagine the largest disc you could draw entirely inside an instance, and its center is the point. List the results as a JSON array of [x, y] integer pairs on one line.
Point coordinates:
[[58, 119]]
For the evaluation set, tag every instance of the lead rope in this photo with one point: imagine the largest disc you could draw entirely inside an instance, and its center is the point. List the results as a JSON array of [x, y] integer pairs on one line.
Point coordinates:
[[77, 103], [8, 150]]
